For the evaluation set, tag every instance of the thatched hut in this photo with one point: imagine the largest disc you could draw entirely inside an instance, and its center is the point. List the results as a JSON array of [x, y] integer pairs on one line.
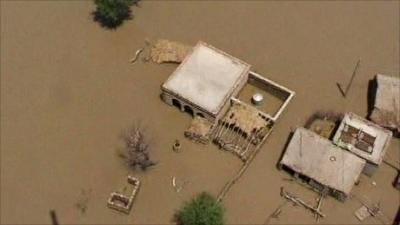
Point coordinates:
[[323, 165]]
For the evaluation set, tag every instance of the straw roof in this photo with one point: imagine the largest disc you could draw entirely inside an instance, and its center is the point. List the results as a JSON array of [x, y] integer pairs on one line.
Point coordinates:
[[245, 117]]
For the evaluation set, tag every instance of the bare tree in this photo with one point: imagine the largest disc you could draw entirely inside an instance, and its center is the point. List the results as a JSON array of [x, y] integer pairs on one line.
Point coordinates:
[[137, 148]]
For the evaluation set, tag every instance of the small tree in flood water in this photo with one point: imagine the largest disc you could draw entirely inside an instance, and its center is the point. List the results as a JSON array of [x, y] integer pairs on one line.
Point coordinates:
[[202, 210], [137, 149], [111, 13]]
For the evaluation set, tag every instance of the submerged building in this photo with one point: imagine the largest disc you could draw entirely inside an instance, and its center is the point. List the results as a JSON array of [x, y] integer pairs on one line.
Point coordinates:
[[364, 139], [322, 164], [208, 79], [229, 97]]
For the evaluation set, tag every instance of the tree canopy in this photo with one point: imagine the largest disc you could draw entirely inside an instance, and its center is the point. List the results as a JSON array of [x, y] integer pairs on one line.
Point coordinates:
[[112, 13], [202, 210]]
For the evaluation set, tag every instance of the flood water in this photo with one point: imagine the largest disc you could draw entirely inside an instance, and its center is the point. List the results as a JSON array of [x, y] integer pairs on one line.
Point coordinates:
[[68, 91]]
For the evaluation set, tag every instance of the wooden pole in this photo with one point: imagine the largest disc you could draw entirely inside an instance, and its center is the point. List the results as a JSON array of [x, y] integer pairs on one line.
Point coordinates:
[[53, 216], [239, 174], [344, 93], [298, 201]]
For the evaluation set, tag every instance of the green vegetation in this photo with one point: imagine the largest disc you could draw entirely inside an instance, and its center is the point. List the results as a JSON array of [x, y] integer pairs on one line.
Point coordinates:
[[112, 13], [202, 210]]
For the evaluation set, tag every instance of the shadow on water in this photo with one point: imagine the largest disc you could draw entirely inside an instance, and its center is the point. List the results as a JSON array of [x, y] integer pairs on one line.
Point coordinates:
[[53, 217], [372, 85], [397, 219], [284, 149]]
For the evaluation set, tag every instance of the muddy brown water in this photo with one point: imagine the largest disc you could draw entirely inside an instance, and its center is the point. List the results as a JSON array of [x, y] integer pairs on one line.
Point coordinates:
[[68, 90]]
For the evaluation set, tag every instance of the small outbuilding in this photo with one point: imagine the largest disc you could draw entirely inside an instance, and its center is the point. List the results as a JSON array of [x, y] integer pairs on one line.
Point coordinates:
[[363, 138], [386, 110], [323, 165]]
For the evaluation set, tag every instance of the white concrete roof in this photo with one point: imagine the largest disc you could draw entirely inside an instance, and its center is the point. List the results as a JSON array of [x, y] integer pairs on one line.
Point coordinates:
[[318, 158], [207, 77], [381, 143], [387, 102]]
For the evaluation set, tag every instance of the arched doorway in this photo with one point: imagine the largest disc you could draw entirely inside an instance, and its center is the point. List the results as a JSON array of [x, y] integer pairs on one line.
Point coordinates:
[[188, 110], [176, 103], [200, 115]]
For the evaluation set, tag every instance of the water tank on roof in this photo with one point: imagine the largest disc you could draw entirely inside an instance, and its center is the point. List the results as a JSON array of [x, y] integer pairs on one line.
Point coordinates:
[[257, 99]]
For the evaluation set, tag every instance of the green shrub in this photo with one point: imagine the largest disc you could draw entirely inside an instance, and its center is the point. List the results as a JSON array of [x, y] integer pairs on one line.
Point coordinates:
[[202, 210], [111, 13]]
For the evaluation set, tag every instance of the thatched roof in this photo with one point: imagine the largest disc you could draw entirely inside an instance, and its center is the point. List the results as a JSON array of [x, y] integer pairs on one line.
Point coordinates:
[[245, 117], [199, 129]]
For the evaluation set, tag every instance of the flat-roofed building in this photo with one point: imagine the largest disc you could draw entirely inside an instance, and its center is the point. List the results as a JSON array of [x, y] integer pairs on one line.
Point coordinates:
[[363, 138], [205, 81]]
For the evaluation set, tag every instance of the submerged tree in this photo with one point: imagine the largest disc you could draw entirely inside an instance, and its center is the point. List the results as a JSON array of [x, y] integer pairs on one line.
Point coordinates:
[[202, 210], [111, 13], [137, 148]]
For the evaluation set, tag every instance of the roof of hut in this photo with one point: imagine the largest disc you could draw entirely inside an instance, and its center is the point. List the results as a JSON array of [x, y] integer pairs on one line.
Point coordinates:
[[318, 158]]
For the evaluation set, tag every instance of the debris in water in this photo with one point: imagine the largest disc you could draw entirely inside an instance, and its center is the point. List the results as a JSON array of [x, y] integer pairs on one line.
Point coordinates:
[[177, 187], [362, 213], [137, 148], [137, 53], [298, 201], [177, 146], [83, 200]]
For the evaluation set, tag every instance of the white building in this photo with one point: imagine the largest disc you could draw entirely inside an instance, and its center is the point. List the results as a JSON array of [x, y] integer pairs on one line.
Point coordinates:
[[206, 81], [363, 138]]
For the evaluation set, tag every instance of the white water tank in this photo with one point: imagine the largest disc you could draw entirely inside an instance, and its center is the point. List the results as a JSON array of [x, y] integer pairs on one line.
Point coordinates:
[[257, 99]]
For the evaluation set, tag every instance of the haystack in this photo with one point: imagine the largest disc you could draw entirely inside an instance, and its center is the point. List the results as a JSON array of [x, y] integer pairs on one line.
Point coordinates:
[[168, 51], [199, 130], [246, 118]]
